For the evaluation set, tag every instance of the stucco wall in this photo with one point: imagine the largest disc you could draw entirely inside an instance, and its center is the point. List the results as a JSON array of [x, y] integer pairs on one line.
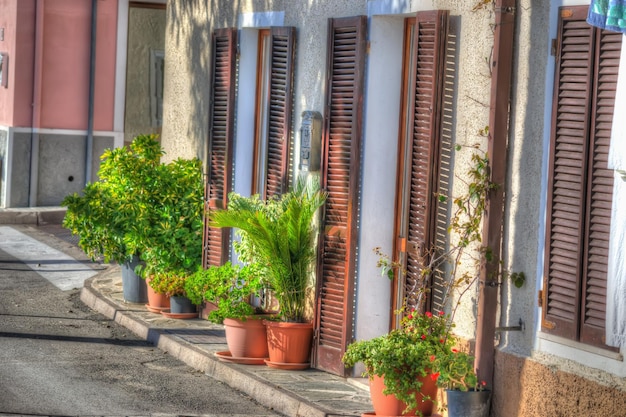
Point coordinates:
[[146, 33], [467, 98]]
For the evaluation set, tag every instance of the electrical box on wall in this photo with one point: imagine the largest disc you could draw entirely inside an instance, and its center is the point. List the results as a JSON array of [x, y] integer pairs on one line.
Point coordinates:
[[310, 141], [4, 69]]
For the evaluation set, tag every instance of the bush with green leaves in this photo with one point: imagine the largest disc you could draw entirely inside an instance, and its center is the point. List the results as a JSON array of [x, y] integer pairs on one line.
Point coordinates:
[[110, 215], [172, 242], [229, 287], [141, 206]]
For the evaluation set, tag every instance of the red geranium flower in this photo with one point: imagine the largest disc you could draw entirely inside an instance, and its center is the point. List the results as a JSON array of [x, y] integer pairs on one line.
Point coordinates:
[[432, 358], [423, 337], [428, 314], [434, 376]]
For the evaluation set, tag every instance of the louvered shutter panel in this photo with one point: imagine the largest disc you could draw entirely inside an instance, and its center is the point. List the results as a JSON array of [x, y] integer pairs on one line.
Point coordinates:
[[221, 131], [580, 186], [600, 189], [425, 118], [340, 172], [570, 132], [281, 100]]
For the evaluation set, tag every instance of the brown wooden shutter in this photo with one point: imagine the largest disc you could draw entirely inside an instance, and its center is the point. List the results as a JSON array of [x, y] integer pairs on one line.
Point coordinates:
[[220, 143], [281, 102], [425, 114], [340, 172], [580, 186], [600, 189]]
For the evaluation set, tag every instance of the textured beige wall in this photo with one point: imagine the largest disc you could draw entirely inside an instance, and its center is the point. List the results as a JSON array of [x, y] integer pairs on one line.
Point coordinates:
[[526, 388], [146, 32]]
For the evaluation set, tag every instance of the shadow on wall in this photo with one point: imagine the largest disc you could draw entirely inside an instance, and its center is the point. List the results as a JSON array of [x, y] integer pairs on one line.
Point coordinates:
[[190, 24]]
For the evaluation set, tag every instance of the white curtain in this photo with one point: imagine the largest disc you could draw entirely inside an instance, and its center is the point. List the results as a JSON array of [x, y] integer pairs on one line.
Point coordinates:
[[616, 280]]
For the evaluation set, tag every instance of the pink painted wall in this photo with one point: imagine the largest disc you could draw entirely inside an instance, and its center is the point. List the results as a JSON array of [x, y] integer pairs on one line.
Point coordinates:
[[64, 71], [17, 20], [60, 63]]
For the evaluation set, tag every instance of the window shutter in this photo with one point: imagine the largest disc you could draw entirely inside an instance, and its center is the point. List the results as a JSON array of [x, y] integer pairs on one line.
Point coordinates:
[[600, 190], [340, 173], [430, 36], [580, 186], [570, 130], [221, 131], [281, 101]]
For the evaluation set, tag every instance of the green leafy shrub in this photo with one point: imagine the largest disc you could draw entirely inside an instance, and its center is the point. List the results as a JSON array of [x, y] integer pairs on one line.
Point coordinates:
[[229, 287]]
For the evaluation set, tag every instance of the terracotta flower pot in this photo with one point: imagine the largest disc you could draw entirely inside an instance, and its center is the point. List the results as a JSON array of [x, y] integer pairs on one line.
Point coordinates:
[[206, 308], [289, 344], [156, 302], [389, 405], [246, 339]]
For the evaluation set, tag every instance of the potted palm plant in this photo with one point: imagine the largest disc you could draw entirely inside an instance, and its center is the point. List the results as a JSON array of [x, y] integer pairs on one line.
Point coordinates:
[[109, 216], [282, 235], [229, 288]]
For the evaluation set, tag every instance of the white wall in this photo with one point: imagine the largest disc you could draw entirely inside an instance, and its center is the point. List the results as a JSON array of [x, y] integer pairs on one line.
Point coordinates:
[[379, 165]]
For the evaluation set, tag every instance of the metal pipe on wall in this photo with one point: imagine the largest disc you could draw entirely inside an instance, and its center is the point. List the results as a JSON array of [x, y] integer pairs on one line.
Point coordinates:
[[499, 114], [33, 188], [92, 81]]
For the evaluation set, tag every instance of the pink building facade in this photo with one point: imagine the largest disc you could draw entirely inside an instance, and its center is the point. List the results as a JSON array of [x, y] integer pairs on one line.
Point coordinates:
[[64, 97]]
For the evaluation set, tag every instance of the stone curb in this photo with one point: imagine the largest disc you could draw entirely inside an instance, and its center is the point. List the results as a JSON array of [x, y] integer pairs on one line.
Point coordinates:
[[32, 216], [269, 395]]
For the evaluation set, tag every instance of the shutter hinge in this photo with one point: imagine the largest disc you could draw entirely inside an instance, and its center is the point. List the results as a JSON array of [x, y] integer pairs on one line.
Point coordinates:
[[553, 48], [367, 48], [540, 298], [548, 324]]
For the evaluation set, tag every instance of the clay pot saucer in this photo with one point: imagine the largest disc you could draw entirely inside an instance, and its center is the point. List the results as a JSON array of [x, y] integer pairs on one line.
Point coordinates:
[[225, 356], [287, 366]]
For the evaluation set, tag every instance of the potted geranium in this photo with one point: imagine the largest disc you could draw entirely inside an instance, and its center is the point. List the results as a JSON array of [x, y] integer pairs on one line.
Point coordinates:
[[401, 364], [229, 288], [281, 234], [421, 351], [466, 395]]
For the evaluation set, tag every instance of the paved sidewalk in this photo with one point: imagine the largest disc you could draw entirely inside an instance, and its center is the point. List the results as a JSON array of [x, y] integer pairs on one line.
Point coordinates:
[[292, 393]]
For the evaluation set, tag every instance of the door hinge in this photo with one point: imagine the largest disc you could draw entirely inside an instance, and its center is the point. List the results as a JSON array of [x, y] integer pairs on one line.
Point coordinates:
[[540, 298], [553, 47]]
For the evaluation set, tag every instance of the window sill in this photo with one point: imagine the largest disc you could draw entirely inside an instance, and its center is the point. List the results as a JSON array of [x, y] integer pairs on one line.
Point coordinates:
[[581, 346]]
